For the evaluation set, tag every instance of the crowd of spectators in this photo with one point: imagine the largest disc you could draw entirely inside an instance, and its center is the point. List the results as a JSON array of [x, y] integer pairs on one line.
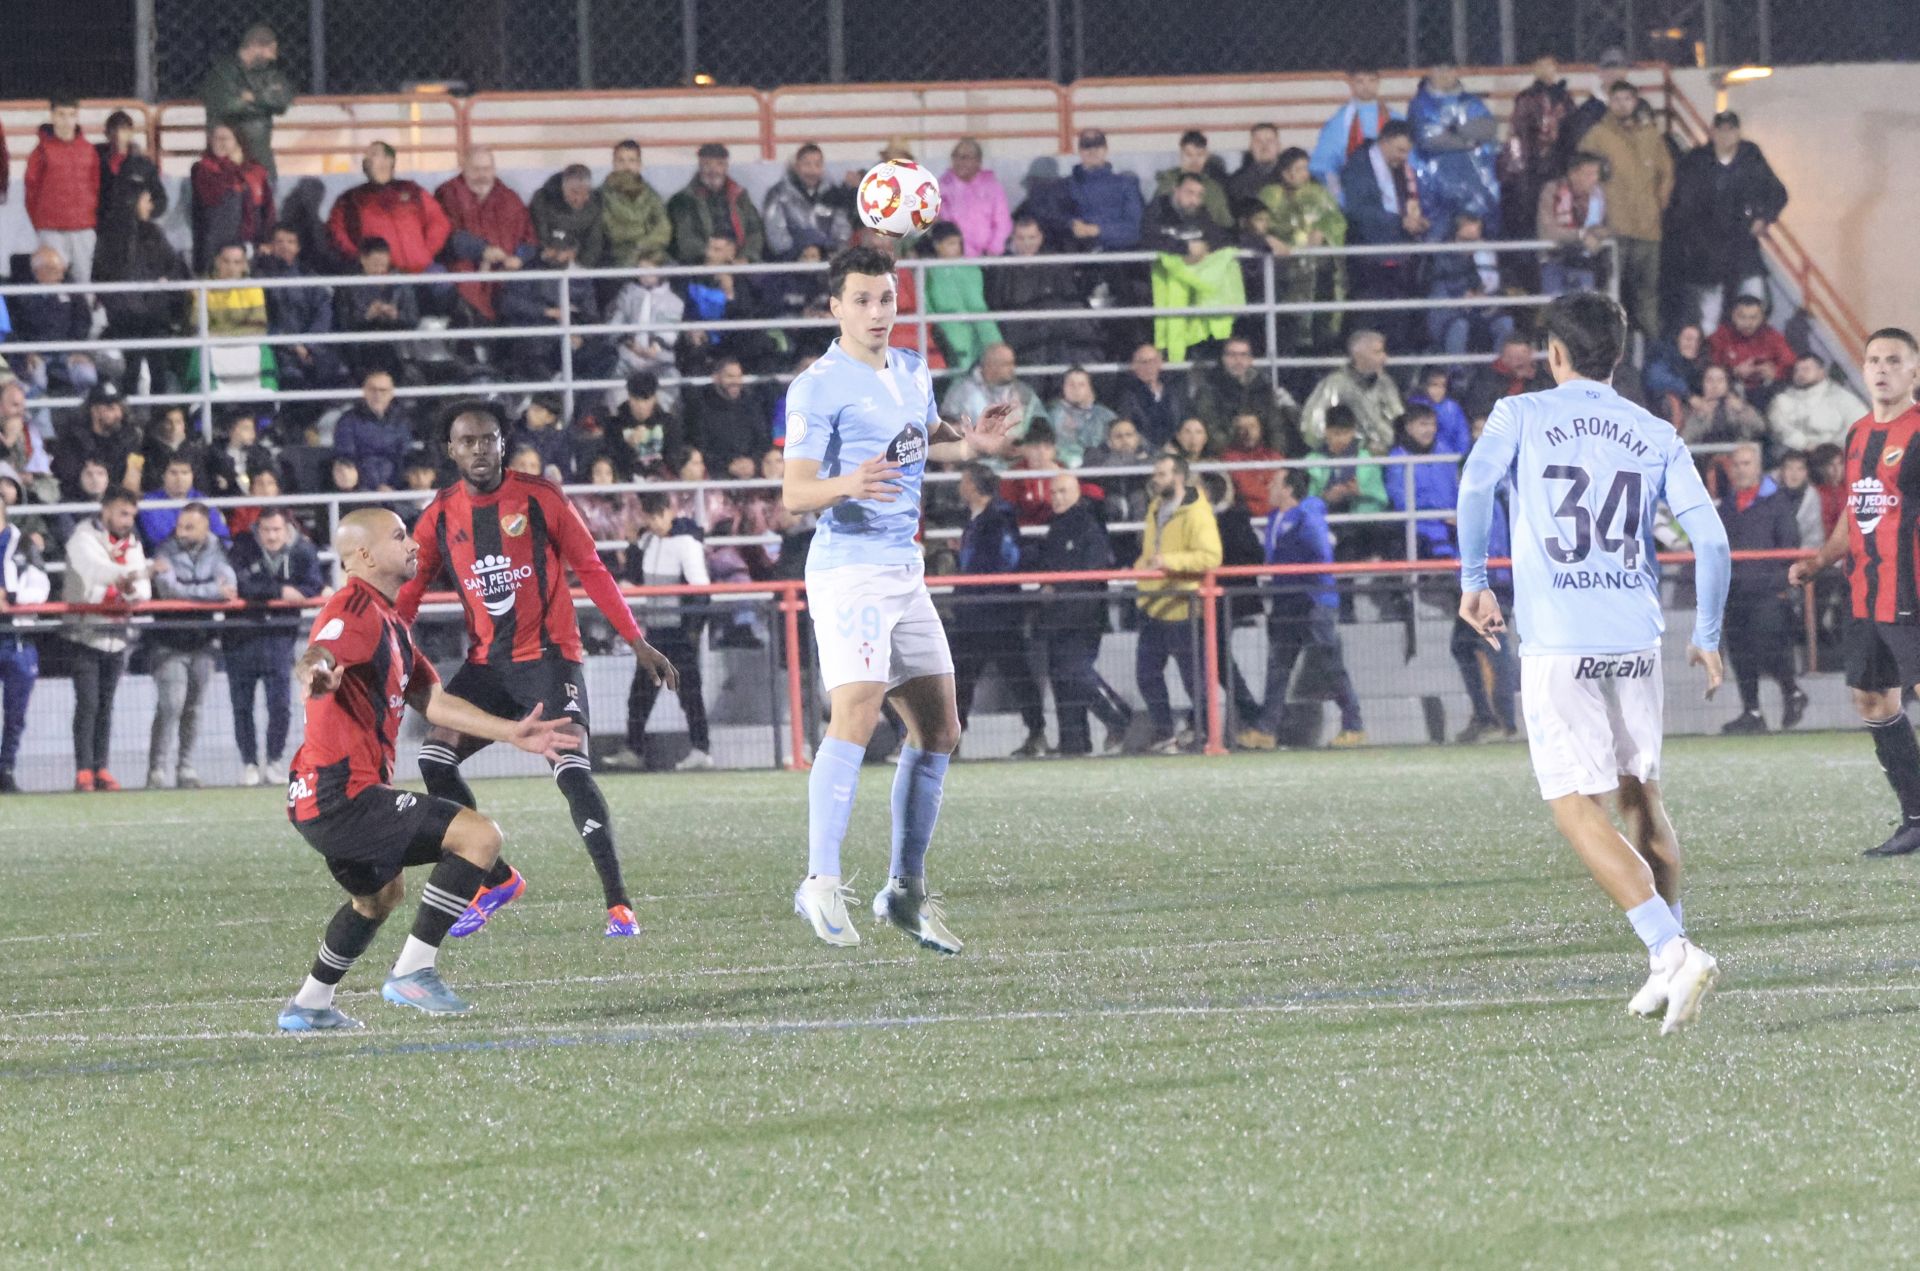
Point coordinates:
[[1602, 180]]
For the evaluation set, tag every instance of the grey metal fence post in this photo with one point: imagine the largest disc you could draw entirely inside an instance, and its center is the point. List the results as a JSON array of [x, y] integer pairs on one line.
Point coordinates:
[[1507, 49], [1460, 54], [837, 41], [583, 40], [1413, 530], [1273, 324], [1413, 33], [1763, 31], [1053, 40], [566, 346], [206, 368], [1079, 39], [316, 46], [923, 328], [689, 40], [144, 52]]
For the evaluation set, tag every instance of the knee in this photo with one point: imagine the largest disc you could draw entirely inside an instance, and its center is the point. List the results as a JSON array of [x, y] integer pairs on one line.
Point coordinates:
[[382, 902], [475, 838], [943, 738]]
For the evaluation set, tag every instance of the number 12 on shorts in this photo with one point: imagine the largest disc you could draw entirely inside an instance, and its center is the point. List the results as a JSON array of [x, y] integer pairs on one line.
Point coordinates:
[[1622, 504]]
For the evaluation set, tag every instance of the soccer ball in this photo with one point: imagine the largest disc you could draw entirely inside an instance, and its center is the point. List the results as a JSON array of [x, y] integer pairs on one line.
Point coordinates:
[[899, 197]]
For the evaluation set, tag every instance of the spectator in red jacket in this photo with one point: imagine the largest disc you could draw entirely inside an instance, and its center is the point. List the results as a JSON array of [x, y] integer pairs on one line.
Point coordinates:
[[490, 226], [1249, 445], [1032, 497], [1753, 351], [232, 200], [63, 188], [400, 212]]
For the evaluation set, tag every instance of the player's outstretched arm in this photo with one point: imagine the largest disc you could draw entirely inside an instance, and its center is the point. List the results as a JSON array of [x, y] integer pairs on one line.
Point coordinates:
[[963, 440], [803, 489], [548, 738], [1802, 571]]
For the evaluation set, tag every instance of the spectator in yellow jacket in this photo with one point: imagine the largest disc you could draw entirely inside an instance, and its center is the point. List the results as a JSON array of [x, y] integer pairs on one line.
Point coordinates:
[[1181, 538]]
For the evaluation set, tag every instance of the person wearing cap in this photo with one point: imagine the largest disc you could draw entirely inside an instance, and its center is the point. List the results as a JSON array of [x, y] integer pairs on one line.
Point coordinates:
[[1107, 205], [100, 434], [398, 211], [798, 208], [544, 302], [714, 203], [569, 202], [1725, 197], [245, 90], [1350, 128], [542, 427]]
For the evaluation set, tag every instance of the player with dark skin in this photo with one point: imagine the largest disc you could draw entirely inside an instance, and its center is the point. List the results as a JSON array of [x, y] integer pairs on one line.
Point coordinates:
[[373, 545], [479, 452]]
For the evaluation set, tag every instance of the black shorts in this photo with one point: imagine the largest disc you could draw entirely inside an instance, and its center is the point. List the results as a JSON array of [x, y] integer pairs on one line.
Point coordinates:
[[378, 834], [1882, 655], [512, 690]]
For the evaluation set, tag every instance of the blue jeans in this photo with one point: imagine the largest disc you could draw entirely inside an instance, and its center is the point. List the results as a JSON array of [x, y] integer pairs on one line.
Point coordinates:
[[251, 662], [19, 669], [1158, 642]]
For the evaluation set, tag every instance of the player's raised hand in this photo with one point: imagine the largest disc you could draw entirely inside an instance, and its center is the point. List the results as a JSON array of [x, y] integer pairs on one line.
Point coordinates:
[[548, 738], [1481, 611], [994, 431], [1709, 661], [656, 665], [878, 480]]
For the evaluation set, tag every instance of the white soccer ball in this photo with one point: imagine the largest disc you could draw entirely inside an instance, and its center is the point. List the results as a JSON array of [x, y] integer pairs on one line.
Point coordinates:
[[899, 197]]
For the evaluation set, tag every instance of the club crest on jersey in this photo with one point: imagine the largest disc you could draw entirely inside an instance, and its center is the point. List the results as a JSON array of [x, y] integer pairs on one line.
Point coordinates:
[[494, 581], [514, 526], [1871, 501], [1892, 457], [909, 449]]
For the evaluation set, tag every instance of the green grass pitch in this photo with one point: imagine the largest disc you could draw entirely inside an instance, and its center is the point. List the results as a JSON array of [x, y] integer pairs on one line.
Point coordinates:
[[1262, 1011]]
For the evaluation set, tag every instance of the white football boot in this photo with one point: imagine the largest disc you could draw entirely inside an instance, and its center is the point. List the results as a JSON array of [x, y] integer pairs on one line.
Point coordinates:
[[1694, 972], [822, 900], [1652, 997], [908, 905]]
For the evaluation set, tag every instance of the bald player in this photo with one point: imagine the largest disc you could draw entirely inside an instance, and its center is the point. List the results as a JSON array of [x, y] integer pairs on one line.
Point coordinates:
[[358, 675]]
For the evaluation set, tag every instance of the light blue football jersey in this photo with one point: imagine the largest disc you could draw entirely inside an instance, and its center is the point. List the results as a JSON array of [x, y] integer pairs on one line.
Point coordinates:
[[841, 412], [1589, 471]]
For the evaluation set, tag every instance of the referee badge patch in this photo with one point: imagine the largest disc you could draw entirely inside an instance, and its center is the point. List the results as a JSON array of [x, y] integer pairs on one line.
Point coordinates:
[[514, 526]]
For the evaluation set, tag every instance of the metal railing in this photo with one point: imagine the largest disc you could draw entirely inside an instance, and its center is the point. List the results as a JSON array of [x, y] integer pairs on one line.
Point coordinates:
[[205, 396]]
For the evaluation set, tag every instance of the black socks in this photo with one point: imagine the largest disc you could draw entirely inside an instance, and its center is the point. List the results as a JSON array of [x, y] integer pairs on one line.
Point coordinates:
[[590, 816], [440, 769], [348, 936], [450, 888], [1899, 755]]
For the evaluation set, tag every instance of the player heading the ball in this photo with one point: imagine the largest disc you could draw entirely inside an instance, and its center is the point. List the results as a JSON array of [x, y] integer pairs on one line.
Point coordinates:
[[861, 426]]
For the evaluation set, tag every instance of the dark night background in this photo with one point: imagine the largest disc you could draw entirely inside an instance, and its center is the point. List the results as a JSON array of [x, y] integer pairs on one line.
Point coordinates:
[[87, 46]]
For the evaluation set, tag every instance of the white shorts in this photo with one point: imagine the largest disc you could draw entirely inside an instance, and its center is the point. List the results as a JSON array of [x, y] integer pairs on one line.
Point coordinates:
[[1591, 718], [876, 624]]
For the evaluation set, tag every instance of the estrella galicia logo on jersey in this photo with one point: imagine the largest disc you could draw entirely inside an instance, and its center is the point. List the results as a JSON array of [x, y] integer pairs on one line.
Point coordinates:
[[514, 526], [909, 449], [494, 581], [1871, 501]]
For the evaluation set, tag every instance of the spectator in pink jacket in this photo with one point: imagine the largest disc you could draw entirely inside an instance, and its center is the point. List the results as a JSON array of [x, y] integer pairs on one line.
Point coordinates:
[[971, 198]]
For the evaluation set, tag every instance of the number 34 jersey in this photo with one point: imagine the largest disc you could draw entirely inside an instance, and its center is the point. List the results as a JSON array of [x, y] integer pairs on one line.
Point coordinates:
[[1589, 471]]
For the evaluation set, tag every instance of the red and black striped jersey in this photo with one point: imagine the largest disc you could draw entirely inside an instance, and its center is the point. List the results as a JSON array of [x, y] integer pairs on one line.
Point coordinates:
[[1883, 517], [351, 731], [507, 553]]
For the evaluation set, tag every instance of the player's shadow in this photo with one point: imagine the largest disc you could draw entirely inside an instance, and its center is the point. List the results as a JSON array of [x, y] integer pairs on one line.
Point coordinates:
[[1825, 1019]]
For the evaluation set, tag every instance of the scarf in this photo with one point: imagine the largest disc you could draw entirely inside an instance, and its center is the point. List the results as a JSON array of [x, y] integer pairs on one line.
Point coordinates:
[[1356, 134], [1390, 196], [1570, 215], [117, 549]]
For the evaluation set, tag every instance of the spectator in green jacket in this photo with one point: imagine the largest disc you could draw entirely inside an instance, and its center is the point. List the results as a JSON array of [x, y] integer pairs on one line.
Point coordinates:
[[958, 289], [712, 205], [245, 91], [637, 228]]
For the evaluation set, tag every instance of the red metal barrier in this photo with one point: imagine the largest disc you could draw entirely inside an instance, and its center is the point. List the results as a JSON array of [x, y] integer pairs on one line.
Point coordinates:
[[789, 596]]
